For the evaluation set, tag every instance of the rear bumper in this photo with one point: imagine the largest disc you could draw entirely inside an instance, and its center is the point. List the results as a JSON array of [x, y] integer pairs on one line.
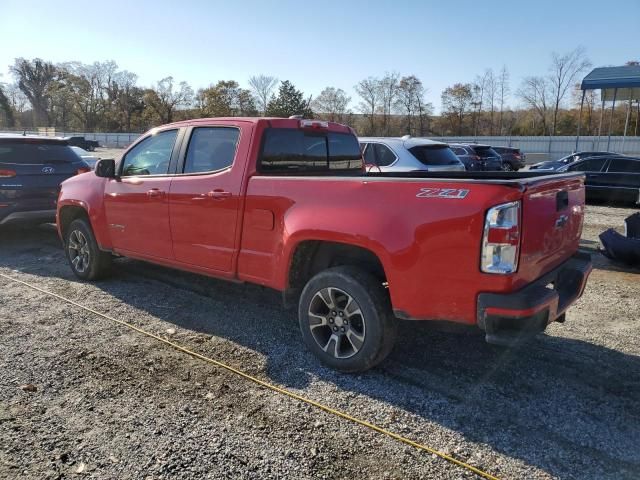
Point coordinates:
[[39, 216], [508, 318]]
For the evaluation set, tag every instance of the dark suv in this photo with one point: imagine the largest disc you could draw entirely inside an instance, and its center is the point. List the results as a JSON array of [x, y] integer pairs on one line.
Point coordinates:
[[512, 158], [89, 145], [477, 157], [31, 171]]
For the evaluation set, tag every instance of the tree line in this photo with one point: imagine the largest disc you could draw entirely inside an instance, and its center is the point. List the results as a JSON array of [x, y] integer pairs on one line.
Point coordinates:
[[72, 96]]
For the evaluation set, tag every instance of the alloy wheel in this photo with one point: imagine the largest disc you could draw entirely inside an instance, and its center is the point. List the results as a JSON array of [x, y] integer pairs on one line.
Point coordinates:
[[337, 323], [79, 251]]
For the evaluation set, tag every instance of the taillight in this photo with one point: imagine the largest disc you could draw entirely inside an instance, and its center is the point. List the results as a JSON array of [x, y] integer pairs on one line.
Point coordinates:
[[474, 158], [7, 173], [83, 170], [501, 239]]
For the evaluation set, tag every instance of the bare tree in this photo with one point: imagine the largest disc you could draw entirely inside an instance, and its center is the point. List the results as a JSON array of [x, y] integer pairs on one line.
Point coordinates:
[[5, 106], [165, 100], [126, 99], [18, 100], [388, 92], [589, 106], [503, 93], [491, 89], [411, 102], [89, 88], [456, 101], [263, 86], [35, 78], [332, 102], [536, 92], [563, 72], [478, 88], [425, 109], [369, 92]]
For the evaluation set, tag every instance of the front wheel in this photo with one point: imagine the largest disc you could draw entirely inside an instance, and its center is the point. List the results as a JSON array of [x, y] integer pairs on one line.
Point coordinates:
[[346, 320], [87, 261]]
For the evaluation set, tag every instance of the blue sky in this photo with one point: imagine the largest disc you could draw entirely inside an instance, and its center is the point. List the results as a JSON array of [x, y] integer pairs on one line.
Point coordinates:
[[322, 42]]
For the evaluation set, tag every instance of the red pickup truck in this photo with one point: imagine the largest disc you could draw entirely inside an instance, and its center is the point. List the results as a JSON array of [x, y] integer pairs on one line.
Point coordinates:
[[286, 203]]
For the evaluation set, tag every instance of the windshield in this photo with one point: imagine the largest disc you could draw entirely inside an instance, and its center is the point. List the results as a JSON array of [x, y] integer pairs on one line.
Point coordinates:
[[434, 155]]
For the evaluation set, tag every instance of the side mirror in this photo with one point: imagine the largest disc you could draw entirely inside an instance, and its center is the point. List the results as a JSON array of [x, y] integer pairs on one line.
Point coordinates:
[[106, 168]]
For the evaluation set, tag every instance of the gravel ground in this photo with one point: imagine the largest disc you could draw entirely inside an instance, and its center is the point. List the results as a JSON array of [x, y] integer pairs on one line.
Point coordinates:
[[110, 403]]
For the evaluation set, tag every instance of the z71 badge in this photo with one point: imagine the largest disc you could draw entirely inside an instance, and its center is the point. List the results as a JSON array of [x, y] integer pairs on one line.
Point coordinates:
[[452, 193]]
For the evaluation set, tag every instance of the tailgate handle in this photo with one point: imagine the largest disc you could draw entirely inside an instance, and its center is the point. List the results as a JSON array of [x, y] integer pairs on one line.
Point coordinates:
[[562, 200]]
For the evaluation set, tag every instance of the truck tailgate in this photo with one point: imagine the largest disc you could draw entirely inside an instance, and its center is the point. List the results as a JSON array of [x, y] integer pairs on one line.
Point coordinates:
[[552, 216]]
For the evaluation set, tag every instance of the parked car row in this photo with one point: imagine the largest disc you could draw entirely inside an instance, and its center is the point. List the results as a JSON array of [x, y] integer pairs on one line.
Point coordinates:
[[610, 176], [407, 154]]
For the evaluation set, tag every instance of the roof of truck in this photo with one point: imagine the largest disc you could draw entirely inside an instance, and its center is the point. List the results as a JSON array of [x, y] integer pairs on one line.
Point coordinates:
[[285, 122]]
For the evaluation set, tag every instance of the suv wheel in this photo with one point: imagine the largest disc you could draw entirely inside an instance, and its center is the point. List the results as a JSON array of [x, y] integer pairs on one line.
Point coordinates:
[[87, 261], [507, 167], [345, 318]]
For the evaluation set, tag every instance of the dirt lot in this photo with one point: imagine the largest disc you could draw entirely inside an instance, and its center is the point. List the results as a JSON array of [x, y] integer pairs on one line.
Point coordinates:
[[113, 404]]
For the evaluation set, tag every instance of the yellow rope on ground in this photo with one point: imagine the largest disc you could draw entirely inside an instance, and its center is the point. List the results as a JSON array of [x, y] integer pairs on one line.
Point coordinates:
[[267, 385]]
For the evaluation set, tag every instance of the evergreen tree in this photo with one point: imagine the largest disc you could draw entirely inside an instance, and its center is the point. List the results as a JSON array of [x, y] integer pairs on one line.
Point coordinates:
[[289, 101]]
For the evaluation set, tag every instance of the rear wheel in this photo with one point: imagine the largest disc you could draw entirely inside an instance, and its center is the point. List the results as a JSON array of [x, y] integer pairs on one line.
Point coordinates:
[[345, 318], [87, 261], [507, 167]]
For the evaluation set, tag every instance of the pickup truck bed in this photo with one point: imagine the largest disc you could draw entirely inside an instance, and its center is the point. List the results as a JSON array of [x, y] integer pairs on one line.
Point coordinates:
[[284, 203]]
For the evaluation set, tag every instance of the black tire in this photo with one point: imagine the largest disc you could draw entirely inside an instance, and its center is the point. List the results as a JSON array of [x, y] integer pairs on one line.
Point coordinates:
[[375, 324], [87, 261]]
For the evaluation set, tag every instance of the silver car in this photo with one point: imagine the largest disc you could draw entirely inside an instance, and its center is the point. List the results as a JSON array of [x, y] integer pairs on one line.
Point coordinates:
[[408, 154]]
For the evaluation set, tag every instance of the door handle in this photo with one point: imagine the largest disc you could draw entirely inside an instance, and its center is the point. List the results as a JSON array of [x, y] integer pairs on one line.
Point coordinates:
[[218, 194], [155, 193]]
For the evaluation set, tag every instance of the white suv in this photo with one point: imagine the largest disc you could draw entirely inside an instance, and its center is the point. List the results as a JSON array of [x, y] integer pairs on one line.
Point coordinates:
[[408, 154]]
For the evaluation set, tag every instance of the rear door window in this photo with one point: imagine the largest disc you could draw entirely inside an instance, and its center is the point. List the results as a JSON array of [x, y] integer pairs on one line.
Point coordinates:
[[288, 150], [591, 165], [459, 151], [434, 155], [485, 152], [384, 155], [621, 165], [211, 149], [36, 153]]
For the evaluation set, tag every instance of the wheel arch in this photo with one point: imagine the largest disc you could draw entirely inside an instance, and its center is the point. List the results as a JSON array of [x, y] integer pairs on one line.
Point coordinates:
[[311, 256], [67, 214]]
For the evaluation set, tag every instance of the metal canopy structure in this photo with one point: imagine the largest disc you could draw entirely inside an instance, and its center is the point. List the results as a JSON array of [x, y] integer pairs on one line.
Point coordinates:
[[614, 83]]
